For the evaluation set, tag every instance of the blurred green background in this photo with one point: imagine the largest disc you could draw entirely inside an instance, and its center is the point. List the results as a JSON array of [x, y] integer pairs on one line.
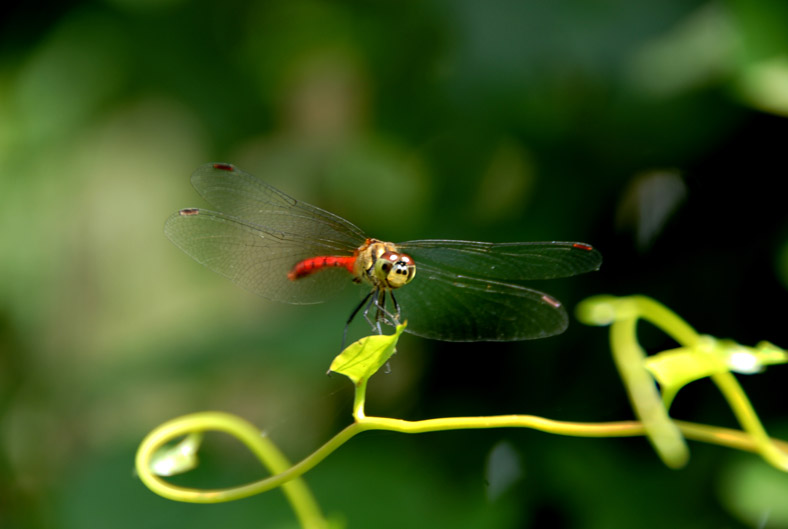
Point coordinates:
[[654, 130]]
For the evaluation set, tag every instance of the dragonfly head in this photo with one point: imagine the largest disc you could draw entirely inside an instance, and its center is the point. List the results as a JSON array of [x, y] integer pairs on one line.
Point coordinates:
[[394, 269]]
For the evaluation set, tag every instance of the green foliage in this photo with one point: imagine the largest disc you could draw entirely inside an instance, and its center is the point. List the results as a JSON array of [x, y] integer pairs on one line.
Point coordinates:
[[364, 358], [701, 356], [676, 368]]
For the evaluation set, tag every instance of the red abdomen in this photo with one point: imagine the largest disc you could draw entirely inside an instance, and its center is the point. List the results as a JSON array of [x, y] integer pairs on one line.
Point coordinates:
[[313, 264]]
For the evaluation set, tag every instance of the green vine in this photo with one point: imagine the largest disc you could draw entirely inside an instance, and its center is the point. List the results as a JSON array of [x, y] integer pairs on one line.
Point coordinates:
[[697, 357]]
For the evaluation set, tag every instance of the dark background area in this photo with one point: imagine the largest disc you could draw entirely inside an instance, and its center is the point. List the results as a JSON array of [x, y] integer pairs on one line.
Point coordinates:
[[655, 131]]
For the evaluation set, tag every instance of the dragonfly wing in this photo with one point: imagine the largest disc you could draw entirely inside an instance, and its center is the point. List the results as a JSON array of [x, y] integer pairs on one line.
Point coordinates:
[[255, 258], [509, 262], [451, 307], [232, 190]]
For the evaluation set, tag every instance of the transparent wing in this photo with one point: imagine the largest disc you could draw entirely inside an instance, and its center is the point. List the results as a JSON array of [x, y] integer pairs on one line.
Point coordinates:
[[444, 306], [509, 262], [256, 258], [463, 290], [244, 196]]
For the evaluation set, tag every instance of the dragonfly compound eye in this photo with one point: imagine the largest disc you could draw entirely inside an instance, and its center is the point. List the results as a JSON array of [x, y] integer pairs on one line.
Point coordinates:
[[395, 269]]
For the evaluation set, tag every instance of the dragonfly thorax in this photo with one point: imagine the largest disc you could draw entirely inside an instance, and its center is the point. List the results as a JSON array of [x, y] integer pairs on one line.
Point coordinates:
[[383, 265]]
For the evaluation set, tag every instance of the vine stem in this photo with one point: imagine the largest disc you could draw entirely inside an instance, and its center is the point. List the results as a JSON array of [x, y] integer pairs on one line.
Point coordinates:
[[646, 400], [287, 475]]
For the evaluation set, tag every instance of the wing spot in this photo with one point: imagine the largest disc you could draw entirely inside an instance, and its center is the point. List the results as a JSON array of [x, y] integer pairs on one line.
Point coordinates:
[[550, 300]]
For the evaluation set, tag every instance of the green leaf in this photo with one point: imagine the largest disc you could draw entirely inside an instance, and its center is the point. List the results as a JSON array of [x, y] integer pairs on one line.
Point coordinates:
[[766, 354], [678, 367], [362, 359], [178, 458]]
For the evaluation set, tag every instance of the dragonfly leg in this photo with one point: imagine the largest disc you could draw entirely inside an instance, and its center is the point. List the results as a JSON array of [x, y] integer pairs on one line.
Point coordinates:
[[366, 301], [396, 308], [382, 314], [380, 311], [374, 298], [391, 319]]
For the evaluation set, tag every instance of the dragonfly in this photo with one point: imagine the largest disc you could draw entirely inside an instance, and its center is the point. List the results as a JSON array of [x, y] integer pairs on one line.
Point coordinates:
[[287, 250]]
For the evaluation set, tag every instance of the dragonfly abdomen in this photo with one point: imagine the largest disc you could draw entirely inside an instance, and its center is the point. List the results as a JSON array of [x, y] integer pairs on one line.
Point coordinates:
[[313, 264]]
